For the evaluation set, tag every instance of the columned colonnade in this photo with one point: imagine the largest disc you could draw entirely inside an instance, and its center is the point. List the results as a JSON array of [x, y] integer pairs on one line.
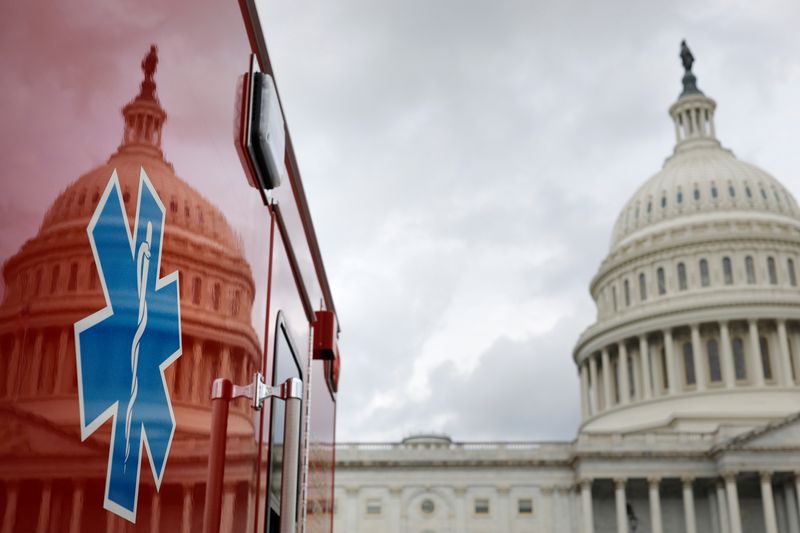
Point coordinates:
[[696, 357], [723, 498]]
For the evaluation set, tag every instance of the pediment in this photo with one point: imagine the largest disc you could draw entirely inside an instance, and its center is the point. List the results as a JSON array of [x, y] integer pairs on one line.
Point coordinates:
[[781, 435]]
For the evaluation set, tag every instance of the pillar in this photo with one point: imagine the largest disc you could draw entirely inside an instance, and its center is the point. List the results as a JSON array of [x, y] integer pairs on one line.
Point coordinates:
[[36, 365], [504, 504], [607, 397], [12, 380], [688, 505], [351, 518], [699, 358], [195, 365], [792, 518], [64, 364], [10, 514], [722, 501], [186, 511], [461, 510], [624, 378], [545, 512], [784, 363], [770, 520], [755, 354], [619, 498], [586, 501], [713, 510], [44, 508], [584, 390], [726, 356], [77, 508], [594, 403], [228, 506], [655, 505], [394, 509], [647, 378], [669, 352], [732, 494]]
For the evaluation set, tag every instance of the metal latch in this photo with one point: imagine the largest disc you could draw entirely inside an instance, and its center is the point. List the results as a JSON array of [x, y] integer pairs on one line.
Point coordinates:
[[257, 391]]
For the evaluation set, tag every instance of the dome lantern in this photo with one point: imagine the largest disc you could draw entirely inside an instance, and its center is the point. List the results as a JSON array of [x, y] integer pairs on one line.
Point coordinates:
[[693, 113], [144, 116]]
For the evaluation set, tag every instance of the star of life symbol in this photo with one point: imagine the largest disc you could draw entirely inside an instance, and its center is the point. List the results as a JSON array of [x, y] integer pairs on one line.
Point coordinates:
[[123, 349]]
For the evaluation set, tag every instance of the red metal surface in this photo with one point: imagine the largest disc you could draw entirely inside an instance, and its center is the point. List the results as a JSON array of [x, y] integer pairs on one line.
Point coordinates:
[[325, 335], [212, 509]]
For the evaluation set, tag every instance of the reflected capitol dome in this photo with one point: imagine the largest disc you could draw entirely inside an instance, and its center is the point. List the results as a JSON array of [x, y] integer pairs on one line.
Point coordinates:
[[52, 282]]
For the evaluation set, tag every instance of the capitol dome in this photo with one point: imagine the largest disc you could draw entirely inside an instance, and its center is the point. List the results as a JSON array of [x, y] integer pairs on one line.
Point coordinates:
[[698, 304]]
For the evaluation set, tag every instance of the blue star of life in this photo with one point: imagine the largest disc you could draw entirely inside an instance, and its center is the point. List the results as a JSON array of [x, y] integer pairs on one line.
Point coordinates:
[[122, 350]]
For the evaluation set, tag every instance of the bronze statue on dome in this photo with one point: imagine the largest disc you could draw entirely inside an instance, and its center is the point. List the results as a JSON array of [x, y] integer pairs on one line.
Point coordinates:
[[149, 64], [686, 56]]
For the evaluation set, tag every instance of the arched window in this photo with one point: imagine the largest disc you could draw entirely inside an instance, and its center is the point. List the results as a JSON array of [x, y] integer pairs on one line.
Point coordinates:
[[682, 283], [696, 193], [72, 284], [739, 364], [215, 296], [714, 369], [627, 287], [662, 281], [792, 273], [235, 303], [55, 273], [772, 271], [731, 191], [765, 359], [688, 363], [748, 191], [727, 270], [750, 269], [642, 287], [705, 279], [713, 191], [197, 287]]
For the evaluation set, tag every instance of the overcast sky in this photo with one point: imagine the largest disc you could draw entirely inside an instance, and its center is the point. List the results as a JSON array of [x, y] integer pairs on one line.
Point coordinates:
[[465, 163]]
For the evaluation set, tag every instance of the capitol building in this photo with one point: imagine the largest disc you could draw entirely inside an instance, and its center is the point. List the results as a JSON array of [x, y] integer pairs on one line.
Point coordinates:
[[689, 378]]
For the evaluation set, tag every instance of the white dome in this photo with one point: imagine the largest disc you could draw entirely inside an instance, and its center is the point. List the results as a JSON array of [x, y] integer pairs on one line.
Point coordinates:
[[707, 179]]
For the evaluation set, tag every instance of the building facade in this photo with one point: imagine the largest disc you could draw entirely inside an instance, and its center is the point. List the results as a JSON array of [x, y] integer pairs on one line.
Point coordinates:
[[690, 378]]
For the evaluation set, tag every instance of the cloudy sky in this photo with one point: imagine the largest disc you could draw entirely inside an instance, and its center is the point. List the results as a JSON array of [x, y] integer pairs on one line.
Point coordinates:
[[465, 162]]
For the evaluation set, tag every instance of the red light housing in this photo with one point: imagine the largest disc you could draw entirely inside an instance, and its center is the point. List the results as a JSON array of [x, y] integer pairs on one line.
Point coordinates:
[[325, 334]]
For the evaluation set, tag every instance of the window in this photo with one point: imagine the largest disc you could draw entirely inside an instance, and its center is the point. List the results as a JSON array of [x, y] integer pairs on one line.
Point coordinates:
[[739, 365], [792, 273], [682, 284], [748, 191], [750, 268], [662, 282], [663, 202], [772, 271], [427, 506], [642, 287], [56, 272], [765, 360], [627, 293], [714, 369], [525, 506], [216, 291], [197, 288], [713, 191], [373, 507], [72, 284], [727, 270], [688, 363], [664, 373], [696, 193], [173, 205], [680, 197], [482, 506], [763, 193], [235, 303], [731, 191], [705, 279]]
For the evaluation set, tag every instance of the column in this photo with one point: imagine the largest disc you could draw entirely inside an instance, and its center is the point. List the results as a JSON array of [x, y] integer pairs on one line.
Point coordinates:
[[394, 509], [77, 508], [12, 384], [351, 518], [33, 377], [669, 352], [732, 494], [655, 504], [63, 363], [622, 511], [461, 510], [784, 363], [647, 378], [196, 365], [504, 504], [10, 514], [790, 502], [713, 510], [699, 358], [624, 378], [688, 505], [770, 520], [607, 397], [722, 501], [726, 354], [155, 512], [586, 501], [584, 391], [186, 512], [756, 366], [44, 508], [228, 505], [594, 403], [545, 510]]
